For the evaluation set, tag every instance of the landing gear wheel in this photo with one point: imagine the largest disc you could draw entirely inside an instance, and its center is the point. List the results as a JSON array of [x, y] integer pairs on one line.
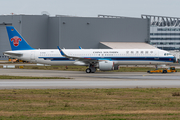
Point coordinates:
[[88, 70], [164, 71]]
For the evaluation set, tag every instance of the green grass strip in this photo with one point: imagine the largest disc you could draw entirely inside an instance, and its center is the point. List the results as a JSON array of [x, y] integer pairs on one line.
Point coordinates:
[[83, 68], [91, 104]]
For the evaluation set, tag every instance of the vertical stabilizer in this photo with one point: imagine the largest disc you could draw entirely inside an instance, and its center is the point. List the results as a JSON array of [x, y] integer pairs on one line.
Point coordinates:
[[17, 42]]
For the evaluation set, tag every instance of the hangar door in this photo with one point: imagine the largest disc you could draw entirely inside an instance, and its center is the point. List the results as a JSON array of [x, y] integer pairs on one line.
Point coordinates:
[[4, 42]]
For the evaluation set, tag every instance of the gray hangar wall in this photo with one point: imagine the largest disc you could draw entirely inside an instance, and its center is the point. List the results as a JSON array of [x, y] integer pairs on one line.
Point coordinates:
[[34, 28], [42, 31], [72, 32]]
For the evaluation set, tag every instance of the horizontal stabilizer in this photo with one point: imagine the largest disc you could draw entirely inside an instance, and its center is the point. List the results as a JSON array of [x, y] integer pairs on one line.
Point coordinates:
[[11, 53]]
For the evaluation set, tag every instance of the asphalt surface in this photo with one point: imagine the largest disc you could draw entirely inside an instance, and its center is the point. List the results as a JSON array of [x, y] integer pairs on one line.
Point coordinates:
[[82, 80]]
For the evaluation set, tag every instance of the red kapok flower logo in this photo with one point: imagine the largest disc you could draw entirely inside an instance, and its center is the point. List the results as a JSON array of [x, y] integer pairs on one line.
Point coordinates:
[[16, 40]]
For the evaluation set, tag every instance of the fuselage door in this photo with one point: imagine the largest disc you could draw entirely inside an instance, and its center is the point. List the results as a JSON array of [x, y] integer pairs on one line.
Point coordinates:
[[32, 55], [157, 53]]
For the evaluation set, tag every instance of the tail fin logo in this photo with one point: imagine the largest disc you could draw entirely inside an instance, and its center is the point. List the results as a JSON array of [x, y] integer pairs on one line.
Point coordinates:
[[16, 40]]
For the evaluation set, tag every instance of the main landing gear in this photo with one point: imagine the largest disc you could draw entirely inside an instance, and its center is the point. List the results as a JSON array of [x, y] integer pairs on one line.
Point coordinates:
[[88, 70], [91, 69]]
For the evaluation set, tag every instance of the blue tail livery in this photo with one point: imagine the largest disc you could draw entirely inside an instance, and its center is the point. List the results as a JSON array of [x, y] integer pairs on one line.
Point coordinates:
[[17, 42]]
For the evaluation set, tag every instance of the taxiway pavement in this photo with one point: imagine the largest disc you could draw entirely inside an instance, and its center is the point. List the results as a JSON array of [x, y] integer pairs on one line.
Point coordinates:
[[93, 80]]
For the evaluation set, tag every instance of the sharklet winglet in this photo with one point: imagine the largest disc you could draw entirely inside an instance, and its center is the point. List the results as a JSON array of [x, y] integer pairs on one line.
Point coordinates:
[[62, 53], [80, 47]]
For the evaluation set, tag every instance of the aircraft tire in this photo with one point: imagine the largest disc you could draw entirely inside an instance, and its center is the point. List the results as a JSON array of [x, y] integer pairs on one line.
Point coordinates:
[[164, 71], [88, 70]]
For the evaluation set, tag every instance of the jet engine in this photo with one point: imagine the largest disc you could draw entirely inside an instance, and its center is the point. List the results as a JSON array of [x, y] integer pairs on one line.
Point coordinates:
[[106, 65]]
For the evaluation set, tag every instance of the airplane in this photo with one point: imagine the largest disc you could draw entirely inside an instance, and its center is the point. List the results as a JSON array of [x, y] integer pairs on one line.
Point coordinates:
[[103, 59]]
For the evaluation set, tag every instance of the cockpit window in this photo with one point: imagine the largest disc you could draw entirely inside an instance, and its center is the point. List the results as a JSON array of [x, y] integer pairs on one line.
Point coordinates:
[[169, 54], [166, 54]]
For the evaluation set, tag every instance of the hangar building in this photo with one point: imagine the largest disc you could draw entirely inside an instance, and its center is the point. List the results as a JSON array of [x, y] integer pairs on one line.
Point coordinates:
[[165, 33], [47, 32]]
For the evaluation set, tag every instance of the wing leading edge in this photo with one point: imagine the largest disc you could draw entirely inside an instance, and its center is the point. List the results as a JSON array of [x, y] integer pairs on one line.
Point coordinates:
[[86, 60]]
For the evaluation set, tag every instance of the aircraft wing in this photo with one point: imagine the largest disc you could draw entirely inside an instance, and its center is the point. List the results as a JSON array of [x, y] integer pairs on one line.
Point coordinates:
[[83, 59]]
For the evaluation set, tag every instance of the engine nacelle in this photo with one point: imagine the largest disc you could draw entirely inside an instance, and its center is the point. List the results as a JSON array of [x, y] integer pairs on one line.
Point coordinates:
[[106, 65]]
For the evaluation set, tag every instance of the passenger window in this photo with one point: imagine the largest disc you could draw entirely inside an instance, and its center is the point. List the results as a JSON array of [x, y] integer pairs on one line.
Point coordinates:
[[127, 52], [142, 52], [151, 51], [137, 52], [146, 52], [132, 52]]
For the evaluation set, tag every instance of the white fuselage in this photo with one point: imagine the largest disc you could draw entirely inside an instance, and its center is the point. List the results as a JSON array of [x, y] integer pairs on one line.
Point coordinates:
[[118, 56]]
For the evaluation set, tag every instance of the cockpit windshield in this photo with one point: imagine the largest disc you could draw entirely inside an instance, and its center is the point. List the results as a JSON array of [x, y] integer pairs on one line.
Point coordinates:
[[166, 54]]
